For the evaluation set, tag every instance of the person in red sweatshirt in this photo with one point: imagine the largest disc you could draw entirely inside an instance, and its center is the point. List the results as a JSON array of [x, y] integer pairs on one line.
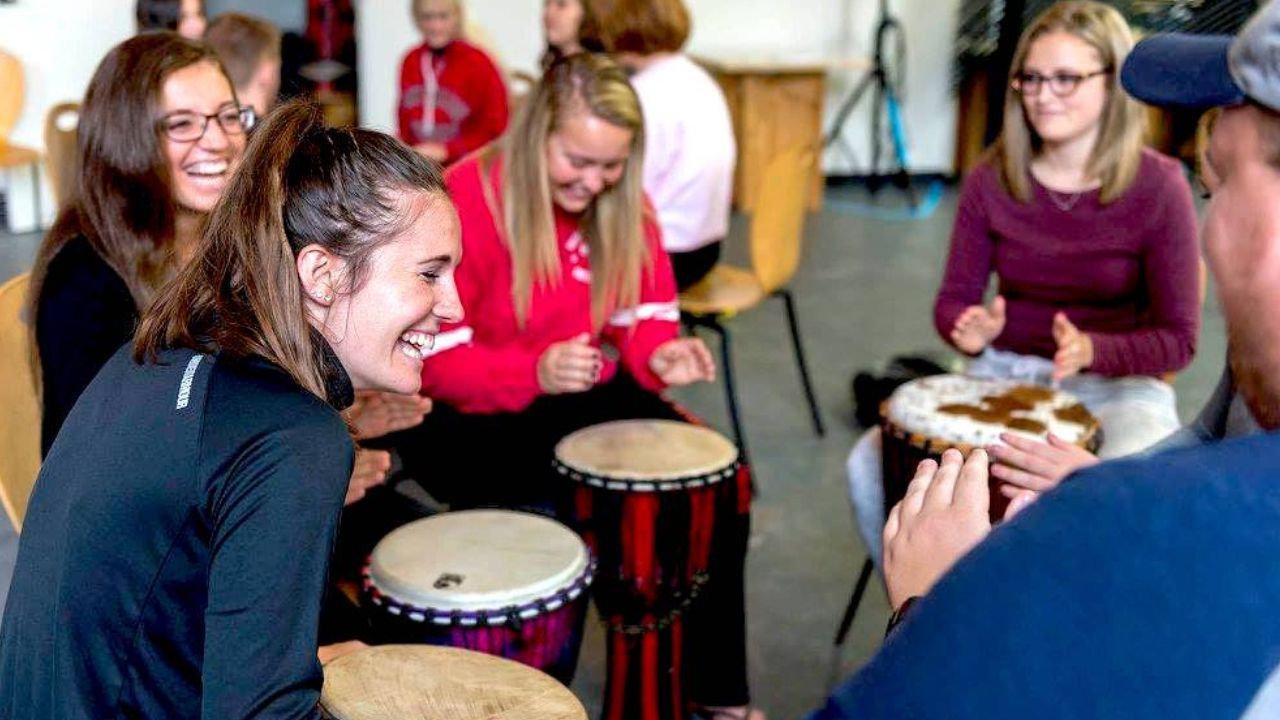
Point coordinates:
[[452, 95], [571, 321]]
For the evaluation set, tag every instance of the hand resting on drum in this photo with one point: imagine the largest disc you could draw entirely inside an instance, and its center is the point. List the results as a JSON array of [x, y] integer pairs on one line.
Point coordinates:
[[977, 326], [943, 515], [683, 361], [375, 413], [1035, 465], [571, 366], [329, 653]]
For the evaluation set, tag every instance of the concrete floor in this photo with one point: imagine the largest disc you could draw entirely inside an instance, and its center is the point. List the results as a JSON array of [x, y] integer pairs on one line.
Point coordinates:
[[864, 293]]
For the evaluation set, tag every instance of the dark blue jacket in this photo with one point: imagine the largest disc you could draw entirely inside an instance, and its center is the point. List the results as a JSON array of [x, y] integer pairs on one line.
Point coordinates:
[[1140, 589]]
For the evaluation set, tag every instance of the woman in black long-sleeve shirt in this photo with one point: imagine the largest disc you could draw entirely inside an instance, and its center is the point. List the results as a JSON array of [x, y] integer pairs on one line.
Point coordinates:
[[176, 544], [160, 135]]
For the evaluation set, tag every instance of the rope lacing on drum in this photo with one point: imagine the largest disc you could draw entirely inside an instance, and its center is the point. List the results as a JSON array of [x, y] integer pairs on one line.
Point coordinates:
[[514, 621], [681, 600]]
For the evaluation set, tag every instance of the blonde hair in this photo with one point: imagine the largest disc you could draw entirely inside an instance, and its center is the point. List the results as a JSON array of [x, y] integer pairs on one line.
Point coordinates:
[[1118, 151], [458, 7], [612, 226]]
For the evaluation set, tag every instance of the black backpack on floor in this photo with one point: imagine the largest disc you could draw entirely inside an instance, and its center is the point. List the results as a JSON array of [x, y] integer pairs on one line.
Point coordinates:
[[870, 390]]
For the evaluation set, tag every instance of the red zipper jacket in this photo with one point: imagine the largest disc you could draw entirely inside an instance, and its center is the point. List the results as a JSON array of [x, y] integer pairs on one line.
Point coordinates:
[[487, 364], [455, 96]]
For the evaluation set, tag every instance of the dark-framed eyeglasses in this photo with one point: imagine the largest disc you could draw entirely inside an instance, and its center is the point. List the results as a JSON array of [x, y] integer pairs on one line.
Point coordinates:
[[186, 126], [1061, 84]]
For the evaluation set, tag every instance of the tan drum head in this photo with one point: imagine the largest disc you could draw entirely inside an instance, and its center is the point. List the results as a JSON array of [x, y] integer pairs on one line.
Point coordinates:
[[475, 560], [653, 450], [399, 682]]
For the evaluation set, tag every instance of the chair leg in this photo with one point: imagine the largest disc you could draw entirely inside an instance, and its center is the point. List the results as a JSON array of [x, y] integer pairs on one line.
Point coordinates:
[[855, 600], [814, 411], [35, 195], [730, 387]]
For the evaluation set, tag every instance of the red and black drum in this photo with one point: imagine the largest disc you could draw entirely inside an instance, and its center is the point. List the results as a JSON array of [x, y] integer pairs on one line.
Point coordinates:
[[649, 495], [499, 582]]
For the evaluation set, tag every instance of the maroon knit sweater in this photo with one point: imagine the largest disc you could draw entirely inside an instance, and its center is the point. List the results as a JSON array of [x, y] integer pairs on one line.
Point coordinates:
[[1127, 273]]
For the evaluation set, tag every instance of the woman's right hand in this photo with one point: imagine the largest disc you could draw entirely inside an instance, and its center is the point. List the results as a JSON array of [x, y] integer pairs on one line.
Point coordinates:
[[569, 367], [977, 326]]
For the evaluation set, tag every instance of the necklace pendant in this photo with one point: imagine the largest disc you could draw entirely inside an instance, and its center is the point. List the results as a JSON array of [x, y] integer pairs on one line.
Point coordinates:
[[1064, 203]]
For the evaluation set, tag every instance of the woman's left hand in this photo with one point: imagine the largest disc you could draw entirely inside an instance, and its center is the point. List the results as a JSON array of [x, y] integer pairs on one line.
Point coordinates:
[[1075, 349], [683, 361]]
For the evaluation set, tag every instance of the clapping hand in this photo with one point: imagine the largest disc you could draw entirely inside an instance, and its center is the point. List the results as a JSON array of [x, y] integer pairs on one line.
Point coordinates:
[[370, 470], [1075, 349], [571, 366], [683, 361], [978, 325], [376, 413]]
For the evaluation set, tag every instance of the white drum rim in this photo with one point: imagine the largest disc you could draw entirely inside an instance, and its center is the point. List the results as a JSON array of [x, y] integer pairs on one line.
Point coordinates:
[[401, 595], [631, 480]]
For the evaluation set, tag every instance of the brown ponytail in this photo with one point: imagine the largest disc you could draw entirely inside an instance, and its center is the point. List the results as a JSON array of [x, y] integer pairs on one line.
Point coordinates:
[[299, 184]]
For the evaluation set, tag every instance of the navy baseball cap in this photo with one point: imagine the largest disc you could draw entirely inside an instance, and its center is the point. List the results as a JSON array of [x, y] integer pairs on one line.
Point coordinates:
[[1182, 70]]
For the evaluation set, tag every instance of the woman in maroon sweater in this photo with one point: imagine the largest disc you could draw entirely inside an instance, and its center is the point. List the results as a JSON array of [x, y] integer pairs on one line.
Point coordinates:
[[1092, 240]]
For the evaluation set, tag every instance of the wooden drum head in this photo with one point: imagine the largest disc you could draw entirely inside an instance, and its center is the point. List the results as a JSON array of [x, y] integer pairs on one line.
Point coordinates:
[[398, 682], [647, 450]]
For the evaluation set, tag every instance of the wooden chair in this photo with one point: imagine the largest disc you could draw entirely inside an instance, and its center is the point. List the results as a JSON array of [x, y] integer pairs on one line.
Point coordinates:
[[12, 89], [777, 229], [20, 421], [60, 148]]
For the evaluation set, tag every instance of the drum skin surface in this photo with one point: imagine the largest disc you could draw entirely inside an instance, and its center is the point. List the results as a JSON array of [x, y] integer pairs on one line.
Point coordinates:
[[399, 682], [477, 560], [652, 450]]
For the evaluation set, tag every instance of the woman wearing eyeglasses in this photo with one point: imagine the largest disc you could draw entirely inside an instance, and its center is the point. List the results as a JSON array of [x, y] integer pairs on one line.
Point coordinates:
[[160, 135], [1092, 241]]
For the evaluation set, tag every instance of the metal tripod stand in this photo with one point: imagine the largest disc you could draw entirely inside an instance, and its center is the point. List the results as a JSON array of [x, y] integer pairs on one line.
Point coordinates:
[[890, 37]]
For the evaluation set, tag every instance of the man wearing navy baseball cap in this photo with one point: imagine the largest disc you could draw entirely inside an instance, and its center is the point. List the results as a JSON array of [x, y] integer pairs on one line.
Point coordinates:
[[1145, 588]]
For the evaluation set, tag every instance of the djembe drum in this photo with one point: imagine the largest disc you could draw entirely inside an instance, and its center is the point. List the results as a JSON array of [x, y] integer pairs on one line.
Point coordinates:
[[398, 682], [499, 582], [925, 417], [649, 495]]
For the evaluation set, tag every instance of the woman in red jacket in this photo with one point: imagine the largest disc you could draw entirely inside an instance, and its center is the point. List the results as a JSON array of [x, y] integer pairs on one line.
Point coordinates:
[[452, 96], [571, 321]]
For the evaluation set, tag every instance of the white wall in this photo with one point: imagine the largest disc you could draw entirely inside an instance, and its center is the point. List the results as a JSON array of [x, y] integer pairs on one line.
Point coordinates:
[[810, 28], [60, 43]]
